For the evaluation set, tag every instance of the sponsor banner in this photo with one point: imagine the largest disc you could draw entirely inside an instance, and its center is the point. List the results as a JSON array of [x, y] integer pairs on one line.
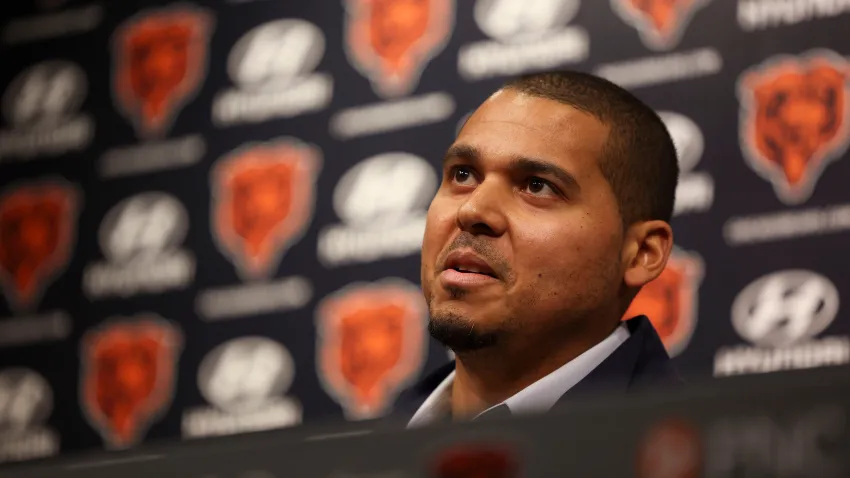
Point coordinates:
[[253, 166], [695, 190], [527, 36], [382, 202], [392, 115], [371, 343], [244, 380], [659, 23], [141, 238], [671, 300], [152, 156], [273, 71], [794, 119], [128, 374], [793, 130], [661, 69], [391, 42], [35, 328], [38, 233], [26, 402], [787, 225], [53, 19], [159, 64], [235, 302], [782, 315], [263, 199], [263, 196], [160, 61], [756, 15], [41, 108]]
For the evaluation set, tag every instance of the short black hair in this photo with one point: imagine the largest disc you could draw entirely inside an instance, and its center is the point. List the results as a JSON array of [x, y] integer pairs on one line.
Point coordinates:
[[639, 159]]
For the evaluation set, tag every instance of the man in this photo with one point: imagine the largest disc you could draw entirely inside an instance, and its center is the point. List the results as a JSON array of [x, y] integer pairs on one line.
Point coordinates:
[[552, 213]]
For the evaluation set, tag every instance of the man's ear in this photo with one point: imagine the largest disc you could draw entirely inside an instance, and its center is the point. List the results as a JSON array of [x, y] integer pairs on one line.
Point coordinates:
[[647, 247]]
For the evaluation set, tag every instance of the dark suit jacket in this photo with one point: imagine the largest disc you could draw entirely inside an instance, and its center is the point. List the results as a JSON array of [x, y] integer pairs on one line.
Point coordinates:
[[640, 362]]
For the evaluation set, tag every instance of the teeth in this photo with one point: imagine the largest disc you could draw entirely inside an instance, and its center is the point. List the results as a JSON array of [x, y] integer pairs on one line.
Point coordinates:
[[469, 269]]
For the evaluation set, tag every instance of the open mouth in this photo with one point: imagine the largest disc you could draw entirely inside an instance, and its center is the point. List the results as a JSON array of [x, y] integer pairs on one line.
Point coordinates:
[[467, 262], [473, 270]]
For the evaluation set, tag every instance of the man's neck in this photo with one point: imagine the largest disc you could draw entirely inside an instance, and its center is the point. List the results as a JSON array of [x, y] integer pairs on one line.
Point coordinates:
[[484, 378]]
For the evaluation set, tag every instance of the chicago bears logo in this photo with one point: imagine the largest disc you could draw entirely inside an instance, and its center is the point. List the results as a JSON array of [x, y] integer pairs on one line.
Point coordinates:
[[263, 198], [660, 23], [670, 301], [476, 460], [371, 343], [128, 375], [794, 120], [38, 223], [160, 58], [390, 41]]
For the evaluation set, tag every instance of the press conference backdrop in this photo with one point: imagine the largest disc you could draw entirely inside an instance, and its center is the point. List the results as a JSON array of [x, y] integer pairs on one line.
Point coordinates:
[[211, 212]]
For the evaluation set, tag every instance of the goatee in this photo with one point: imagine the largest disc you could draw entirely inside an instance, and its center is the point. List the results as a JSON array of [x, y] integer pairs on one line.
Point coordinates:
[[459, 334]]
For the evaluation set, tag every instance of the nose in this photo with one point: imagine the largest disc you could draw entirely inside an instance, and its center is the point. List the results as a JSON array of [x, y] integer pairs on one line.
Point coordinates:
[[483, 211]]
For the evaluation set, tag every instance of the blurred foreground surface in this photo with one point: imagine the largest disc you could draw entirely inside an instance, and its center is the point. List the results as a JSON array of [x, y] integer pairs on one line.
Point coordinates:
[[792, 424]]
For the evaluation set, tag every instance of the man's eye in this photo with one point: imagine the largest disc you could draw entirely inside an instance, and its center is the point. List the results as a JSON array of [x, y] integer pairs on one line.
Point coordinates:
[[461, 174], [539, 186]]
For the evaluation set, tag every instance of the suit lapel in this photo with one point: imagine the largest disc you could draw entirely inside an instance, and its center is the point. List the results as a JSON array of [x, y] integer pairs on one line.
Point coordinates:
[[615, 373], [639, 359]]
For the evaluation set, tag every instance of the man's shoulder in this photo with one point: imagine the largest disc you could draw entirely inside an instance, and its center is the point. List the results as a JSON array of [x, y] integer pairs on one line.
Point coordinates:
[[653, 364], [638, 363]]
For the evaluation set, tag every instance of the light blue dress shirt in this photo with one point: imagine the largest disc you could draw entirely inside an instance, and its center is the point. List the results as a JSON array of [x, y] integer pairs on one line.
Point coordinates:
[[540, 396]]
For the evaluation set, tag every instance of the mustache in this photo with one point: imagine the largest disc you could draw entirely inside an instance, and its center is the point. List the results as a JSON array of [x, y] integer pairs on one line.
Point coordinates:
[[482, 248]]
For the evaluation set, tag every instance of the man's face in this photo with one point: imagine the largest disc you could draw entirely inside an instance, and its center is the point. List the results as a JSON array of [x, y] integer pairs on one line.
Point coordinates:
[[523, 202]]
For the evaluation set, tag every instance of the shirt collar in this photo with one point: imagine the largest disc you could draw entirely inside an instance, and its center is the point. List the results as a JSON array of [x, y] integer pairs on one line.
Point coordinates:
[[437, 406], [537, 397]]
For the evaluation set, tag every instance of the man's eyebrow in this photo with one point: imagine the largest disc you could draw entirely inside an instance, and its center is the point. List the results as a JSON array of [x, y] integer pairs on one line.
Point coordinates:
[[462, 151], [539, 166]]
